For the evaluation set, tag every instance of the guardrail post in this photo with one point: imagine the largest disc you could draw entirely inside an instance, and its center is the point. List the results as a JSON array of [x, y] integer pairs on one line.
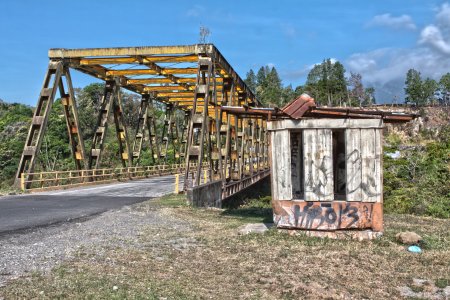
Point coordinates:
[[22, 181], [177, 183]]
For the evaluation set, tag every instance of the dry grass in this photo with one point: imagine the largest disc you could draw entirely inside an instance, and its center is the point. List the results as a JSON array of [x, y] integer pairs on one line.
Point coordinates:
[[210, 261]]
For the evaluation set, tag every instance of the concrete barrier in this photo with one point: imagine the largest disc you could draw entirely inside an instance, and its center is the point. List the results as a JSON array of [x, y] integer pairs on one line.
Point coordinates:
[[206, 195]]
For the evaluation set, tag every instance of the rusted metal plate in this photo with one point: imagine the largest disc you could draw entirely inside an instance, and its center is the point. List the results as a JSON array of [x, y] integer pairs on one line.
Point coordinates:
[[298, 107], [330, 216]]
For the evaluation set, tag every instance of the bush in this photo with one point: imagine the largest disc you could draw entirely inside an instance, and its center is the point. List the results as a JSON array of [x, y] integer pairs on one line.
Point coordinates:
[[419, 182]]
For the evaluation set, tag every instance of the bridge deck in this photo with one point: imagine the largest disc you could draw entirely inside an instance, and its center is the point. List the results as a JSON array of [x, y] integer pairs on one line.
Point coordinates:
[[44, 208]]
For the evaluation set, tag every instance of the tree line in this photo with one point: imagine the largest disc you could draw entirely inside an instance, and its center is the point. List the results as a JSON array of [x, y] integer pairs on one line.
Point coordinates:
[[421, 92], [328, 85]]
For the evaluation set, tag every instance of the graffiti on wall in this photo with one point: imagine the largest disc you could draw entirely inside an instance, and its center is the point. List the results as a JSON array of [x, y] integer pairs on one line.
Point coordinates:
[[362, 180], [326, 215]]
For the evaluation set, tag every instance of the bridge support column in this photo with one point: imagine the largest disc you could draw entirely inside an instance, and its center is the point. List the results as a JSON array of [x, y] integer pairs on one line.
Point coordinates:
[[198, 130], [57, 75], [111, 100]]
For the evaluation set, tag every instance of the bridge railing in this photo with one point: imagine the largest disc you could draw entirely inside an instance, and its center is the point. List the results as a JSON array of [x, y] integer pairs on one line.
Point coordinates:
[[55, 179]]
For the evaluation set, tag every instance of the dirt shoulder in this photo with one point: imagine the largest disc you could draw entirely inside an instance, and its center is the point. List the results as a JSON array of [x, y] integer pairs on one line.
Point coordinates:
[[165, 250]]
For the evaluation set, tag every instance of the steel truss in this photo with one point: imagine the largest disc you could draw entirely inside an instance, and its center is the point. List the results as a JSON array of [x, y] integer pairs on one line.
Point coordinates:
[[192, 83]]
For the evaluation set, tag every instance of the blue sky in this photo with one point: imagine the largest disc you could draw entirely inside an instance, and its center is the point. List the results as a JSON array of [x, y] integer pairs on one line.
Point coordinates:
[[381, 39]]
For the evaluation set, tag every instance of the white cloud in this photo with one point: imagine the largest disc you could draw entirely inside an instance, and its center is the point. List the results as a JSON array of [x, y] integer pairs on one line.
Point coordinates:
[[443, 16], [437, 36], [401, 22], [432, 36], [385, 69]]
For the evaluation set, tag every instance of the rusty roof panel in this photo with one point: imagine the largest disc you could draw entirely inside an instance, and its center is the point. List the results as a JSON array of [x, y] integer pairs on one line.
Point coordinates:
[[299, 106], [305, 106]]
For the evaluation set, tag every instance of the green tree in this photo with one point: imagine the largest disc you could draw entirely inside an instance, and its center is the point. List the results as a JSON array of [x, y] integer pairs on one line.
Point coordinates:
[[326, 83], [369, 96], [413, 88], [14, 123], [312, 83], [338, 83], [273, 93], [419, 92], [250, 81], [260, 83], [357, 93], [89, 100], [444, 89], [429, 89], [269, 88]]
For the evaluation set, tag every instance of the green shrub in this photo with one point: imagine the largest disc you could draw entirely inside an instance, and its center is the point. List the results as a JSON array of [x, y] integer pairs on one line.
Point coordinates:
[[419, 182]]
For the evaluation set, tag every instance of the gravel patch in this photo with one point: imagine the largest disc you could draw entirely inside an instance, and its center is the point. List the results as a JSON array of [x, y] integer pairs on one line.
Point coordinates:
[[40, 249]]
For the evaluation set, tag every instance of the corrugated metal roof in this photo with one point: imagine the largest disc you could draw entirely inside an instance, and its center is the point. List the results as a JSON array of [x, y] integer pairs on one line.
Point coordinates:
[[304, 106], [299, 106]]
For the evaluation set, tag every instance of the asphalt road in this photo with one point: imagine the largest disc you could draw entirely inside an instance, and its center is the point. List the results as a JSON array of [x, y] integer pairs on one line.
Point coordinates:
[[45, 208]]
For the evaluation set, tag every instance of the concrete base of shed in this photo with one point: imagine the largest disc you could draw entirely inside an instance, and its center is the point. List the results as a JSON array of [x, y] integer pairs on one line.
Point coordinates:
[[359, 235]]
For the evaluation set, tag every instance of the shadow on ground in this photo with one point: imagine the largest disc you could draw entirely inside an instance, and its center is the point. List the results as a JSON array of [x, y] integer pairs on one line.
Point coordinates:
[[252, 203]]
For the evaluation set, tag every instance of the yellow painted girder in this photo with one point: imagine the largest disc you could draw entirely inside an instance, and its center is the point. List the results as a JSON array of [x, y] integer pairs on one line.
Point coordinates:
[[165, 88], [90, 61], [191, 102], [167, 80], [175, 99], [180, 94], [151, 72], [130, 51], [138, 60]]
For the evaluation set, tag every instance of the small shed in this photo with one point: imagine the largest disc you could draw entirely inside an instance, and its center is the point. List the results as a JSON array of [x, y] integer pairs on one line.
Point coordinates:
[[326, 168]]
